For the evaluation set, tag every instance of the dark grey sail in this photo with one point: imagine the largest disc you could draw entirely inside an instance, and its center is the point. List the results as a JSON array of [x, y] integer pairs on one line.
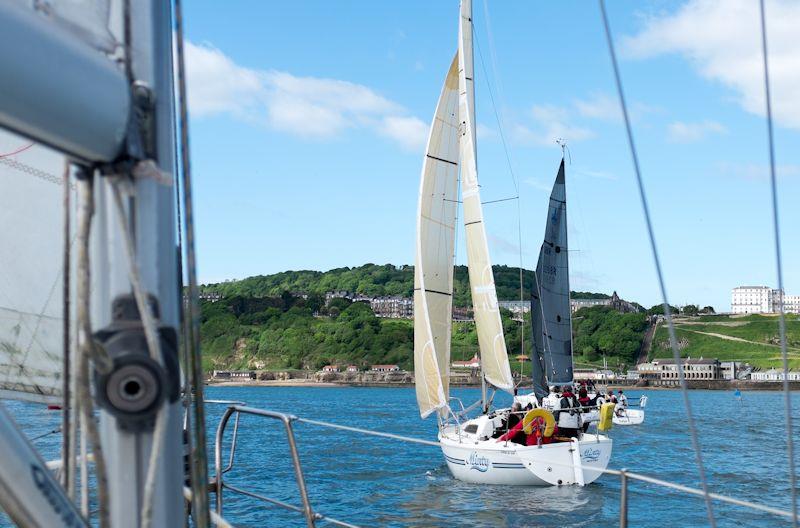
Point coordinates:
[[550, 310]]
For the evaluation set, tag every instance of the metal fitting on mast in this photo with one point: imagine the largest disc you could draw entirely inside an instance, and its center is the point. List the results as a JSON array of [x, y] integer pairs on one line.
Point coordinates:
[[136, 387]]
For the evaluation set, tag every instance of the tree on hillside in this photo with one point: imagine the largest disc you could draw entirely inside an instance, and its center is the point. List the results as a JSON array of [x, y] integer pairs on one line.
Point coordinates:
[[658, 309], [690, 309], [601, 330]]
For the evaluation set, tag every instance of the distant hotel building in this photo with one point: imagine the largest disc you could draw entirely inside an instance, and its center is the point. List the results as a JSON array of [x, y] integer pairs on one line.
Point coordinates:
[[762, 300], [576, 304], [614, 302], [393, 307]]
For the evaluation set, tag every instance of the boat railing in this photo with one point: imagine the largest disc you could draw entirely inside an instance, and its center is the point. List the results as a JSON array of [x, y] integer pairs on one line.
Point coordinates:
[[312, 517]]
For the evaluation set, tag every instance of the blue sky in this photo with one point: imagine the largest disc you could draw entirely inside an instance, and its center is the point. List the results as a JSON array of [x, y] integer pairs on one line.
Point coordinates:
[[308, 122]]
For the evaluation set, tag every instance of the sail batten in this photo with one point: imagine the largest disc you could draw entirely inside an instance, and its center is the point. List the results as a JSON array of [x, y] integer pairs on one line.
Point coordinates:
[[433, 269], [551, 318], [494, 356]]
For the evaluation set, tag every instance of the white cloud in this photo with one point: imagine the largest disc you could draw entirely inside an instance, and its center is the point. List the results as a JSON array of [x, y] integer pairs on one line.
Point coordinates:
[[303, 106], [549, 123], [757, 172], [410, 132], [537, 184], [484, 132], [599, 106], [680, 132], [218, 85], [598, 175], [723, 42], [604, 107]]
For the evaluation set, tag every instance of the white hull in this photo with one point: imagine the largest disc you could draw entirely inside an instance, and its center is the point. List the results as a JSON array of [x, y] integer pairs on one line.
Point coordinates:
[[491, 462], [629, 417]]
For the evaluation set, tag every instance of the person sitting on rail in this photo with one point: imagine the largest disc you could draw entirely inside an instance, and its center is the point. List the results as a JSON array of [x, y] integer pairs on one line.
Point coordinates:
[[512, 429], [568, 415], [514, 417], [550, 401], [622, 404], [586, 405]]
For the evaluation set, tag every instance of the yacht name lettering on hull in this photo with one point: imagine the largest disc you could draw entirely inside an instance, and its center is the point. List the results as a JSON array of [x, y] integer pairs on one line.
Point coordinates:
[[590, 455], [478, 462]]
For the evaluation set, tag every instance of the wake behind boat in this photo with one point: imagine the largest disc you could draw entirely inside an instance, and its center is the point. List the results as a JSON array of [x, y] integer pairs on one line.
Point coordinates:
[[487, 449]]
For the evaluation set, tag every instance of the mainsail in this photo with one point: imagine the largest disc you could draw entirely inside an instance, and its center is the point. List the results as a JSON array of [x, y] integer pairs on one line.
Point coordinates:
[[31, 287], [433, 270], [494, 357], [550, 309]]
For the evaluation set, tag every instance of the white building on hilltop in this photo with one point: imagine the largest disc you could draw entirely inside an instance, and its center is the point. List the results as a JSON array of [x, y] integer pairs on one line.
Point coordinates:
[[762, 299]]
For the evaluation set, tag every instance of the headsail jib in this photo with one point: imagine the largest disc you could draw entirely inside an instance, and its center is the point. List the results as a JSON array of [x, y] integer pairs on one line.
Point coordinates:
[[433, 271]]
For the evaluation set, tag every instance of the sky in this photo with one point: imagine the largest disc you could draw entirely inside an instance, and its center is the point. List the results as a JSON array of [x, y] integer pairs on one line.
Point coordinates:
[[308, 123]]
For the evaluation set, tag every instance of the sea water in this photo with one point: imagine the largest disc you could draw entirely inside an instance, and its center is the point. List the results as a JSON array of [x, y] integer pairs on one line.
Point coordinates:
[[373, 481]]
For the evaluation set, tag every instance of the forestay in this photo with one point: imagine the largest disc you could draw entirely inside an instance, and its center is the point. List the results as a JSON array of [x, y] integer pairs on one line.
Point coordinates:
[[494, 357], [550, 309], [433, 270], [31, 270]]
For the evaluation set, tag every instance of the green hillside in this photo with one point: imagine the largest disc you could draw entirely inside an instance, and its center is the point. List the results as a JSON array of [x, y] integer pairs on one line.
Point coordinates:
[[754, 339], [262, 322], [281, 333]]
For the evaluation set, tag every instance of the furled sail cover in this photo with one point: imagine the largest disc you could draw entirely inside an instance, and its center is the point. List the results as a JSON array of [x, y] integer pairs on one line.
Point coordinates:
[[31, 264], [88, 20], [494, 357], [433, 270], [550, 310]]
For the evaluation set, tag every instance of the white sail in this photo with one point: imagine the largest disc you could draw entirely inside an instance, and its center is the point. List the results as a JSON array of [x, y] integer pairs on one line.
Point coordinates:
[[433, 270], [31, 264], [494, 357]]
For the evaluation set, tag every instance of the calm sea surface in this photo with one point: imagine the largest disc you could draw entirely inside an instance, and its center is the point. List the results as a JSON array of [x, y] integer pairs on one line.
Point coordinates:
[[379, 482]]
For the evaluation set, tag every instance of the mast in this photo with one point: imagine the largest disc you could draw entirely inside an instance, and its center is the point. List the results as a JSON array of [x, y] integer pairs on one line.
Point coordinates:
[[495, 368], [151, 219]]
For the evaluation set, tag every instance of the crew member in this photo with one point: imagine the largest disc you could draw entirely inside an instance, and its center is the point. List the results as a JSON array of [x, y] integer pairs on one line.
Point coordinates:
[[568, 415], [586, 406]]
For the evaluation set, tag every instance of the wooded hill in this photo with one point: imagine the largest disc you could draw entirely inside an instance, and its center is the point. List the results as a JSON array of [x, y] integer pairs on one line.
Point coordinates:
[[375, 281], [260, 324]]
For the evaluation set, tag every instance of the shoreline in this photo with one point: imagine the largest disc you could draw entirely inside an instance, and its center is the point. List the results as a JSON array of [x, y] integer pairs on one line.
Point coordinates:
[[301, 382]]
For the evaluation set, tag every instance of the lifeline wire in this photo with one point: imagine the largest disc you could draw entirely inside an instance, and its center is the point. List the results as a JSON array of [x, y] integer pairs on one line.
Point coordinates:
[[672, 338], [776, 226]]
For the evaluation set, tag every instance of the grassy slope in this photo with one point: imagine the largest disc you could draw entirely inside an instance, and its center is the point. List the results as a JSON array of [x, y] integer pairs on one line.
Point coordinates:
[[762, 331]]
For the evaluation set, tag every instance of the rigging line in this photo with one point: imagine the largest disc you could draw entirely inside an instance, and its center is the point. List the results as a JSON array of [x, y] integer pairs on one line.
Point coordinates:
[[48, 433], [17, 151], [510, 170], [197, 439], [779, 269], [648, 222], [494, 108], [66, 446], [500, 200], [87, 349]]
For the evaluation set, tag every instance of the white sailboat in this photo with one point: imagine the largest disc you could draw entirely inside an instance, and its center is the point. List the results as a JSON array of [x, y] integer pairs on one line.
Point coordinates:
[[630, 416], [470, 448]]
